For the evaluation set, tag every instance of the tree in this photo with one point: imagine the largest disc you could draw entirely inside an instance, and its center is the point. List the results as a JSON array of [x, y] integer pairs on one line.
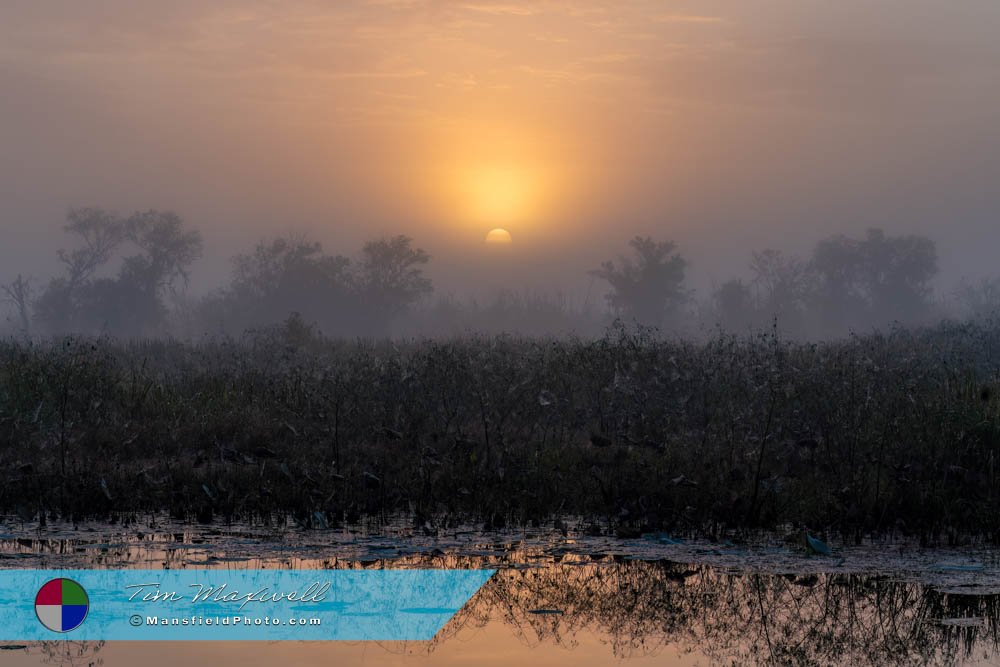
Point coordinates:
[[390, 278], [285, 276], [784, 286], [131, 303], [100, 233], [19, 295], [877, 279], [648, 289], [898, 273], [135, 303], [168, 250], [839, 300]]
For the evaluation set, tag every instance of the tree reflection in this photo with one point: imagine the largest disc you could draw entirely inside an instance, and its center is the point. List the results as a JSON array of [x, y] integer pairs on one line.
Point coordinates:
[[642, 608], [69, 653], [735, 617]]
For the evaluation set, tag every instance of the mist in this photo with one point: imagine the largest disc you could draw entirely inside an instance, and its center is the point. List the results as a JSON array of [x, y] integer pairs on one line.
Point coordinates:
[[723, 128]]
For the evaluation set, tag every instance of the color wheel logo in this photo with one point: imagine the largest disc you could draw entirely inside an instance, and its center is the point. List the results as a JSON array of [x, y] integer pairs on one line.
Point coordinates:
[[61, 605]]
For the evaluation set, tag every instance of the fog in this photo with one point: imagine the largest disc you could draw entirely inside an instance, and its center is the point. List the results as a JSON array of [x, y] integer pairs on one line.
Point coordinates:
[[727, 128]]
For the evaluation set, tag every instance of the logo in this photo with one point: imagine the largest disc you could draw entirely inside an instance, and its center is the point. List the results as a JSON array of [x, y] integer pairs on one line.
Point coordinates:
[[61, 605]]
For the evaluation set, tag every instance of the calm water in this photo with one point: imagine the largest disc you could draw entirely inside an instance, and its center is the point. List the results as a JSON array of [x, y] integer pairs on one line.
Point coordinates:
[[560, 600]]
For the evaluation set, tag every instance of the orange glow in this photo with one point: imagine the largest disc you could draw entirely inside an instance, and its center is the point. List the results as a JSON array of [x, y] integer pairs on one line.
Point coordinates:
[[489, 173], [500, 193]]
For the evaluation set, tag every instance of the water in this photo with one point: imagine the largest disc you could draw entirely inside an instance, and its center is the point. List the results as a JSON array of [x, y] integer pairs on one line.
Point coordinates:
[[559, 600]]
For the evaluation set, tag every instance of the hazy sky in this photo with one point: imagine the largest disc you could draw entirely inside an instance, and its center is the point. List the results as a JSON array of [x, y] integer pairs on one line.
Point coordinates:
[[726, 126]]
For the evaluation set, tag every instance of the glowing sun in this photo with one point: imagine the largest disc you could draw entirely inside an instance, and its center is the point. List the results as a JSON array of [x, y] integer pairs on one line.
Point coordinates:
[[498, 236]]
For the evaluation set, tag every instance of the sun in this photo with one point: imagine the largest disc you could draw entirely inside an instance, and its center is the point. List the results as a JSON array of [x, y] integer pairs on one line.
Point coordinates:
[[498, 236]]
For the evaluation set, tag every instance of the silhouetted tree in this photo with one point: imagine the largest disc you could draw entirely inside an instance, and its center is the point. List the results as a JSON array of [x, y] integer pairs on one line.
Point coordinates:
[[168, 250], [133, 302], [19, 296], [784, 288], [293, 280], [899, 271], [100, 234], [390, 279], [648, 289], [878, 279], [285, 276], [838, 300]]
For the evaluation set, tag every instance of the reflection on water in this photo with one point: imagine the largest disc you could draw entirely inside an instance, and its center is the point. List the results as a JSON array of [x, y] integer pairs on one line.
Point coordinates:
[[559, 602]]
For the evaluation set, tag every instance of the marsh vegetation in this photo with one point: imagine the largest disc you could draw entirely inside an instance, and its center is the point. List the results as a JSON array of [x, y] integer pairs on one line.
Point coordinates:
[[892, 434]]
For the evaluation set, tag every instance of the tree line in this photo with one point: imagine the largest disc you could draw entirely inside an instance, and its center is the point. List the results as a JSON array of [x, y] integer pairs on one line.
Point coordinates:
[[845, 285], [127, 276]]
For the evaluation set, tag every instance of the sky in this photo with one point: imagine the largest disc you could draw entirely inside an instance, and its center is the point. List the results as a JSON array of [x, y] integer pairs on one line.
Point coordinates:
[[726, 126]]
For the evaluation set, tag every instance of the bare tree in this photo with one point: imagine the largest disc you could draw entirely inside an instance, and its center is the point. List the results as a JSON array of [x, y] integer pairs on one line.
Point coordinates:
[[132, 302], [102, 233], [168, 250], [19, 295]]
